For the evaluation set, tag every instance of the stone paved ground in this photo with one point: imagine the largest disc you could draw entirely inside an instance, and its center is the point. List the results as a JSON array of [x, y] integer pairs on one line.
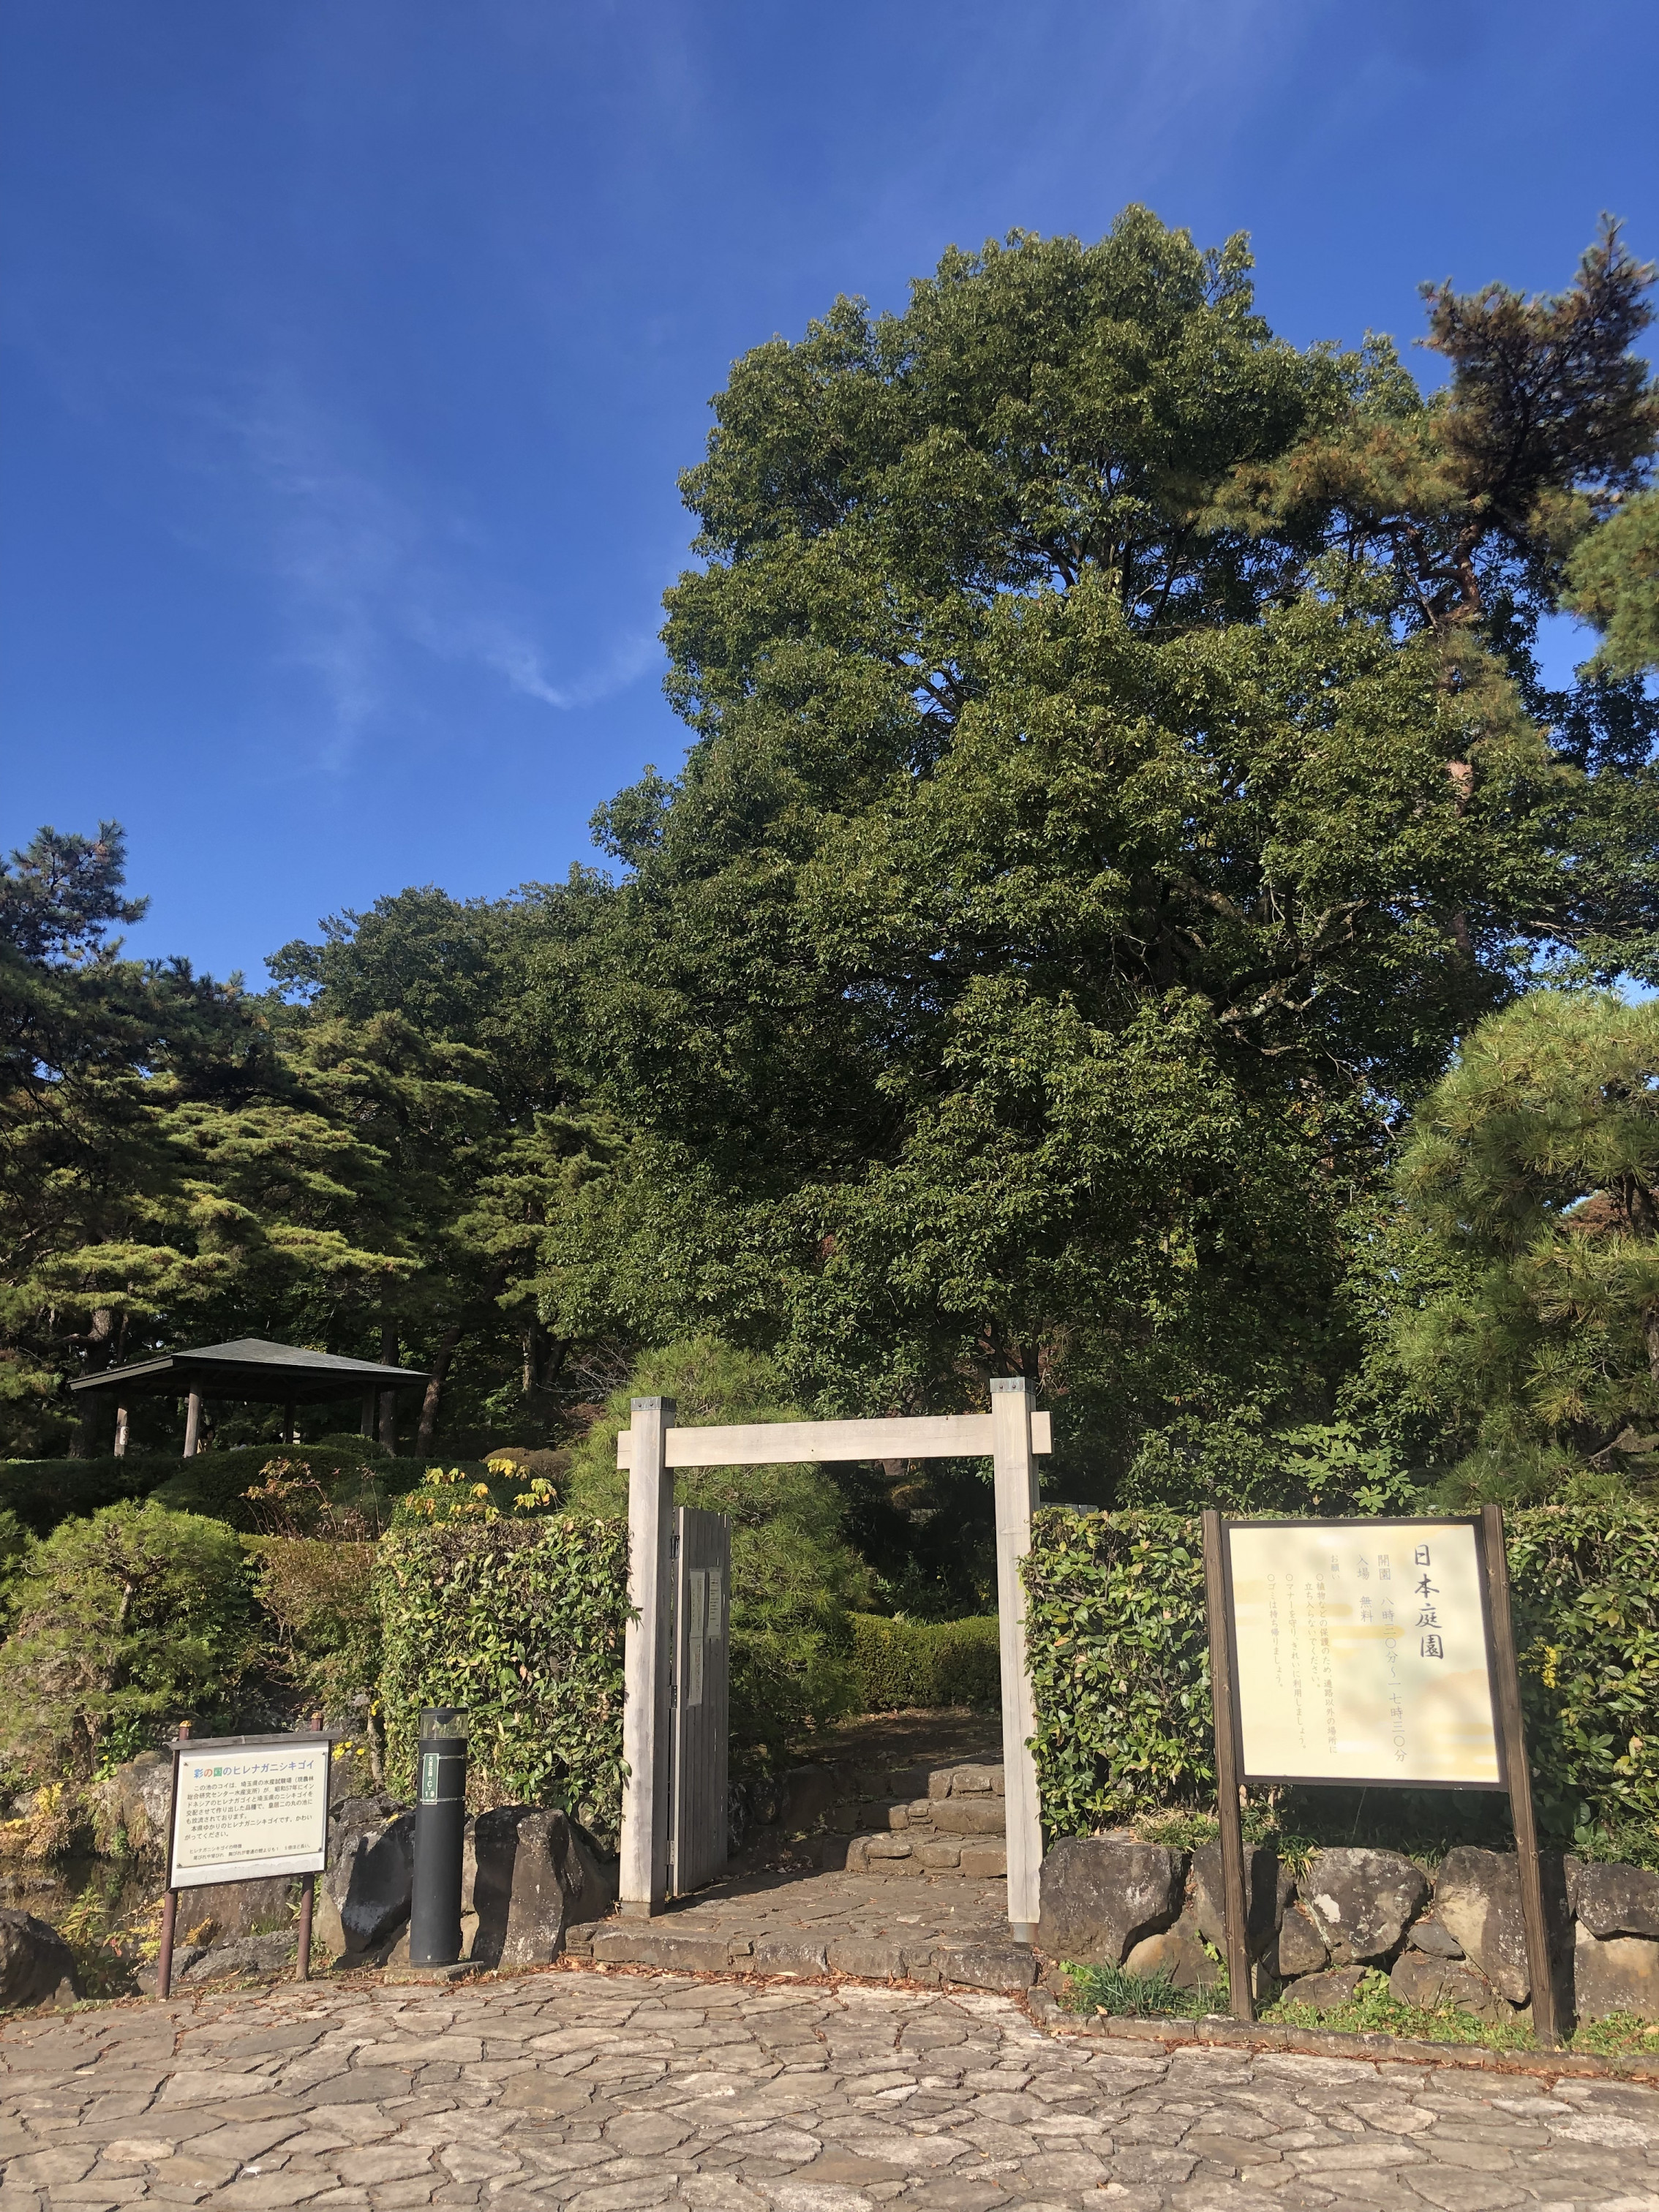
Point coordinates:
[[915, 1927], [604, 2091]]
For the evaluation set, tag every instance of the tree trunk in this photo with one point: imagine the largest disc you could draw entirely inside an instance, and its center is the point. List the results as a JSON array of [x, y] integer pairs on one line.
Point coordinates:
[[101, 1342], [389, 1398], [434, 1390]]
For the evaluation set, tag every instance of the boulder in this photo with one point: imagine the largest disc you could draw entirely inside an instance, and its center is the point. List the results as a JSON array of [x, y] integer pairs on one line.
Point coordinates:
[[1429, 1936], [1477, 1899], [1179, 1953], [1325, 1992], [134, 1801], [1362, 1902], [253, 1954], [36, 1964], [808, 1794], [536, 1874], [1099, 1898], [1267, 1891], [1614, 1901], [226, 1911], [1432, 1983], [1615, 1973], [1302, 1948], [363, 1895]]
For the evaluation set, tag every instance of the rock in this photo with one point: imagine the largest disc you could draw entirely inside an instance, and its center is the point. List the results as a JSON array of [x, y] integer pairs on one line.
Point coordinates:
[[808, 1794], [36, 1964], [536, 1874], [1477, 1899], [971, 1816], [134, 1801], [1179, 1953], [225, 1911], [985, 1862], [1429, 1936], [1099, 1898], [185, 1956], [1432, 1983], [1302, 1948], [1267, 1891], [1615, 1973], [1614, 1901], [253, 1954], [1362, 1901], [362, 1897], [1325, 1992]]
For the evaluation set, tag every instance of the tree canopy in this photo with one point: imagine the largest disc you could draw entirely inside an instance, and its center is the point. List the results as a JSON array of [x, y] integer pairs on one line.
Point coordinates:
[[1122, 780]]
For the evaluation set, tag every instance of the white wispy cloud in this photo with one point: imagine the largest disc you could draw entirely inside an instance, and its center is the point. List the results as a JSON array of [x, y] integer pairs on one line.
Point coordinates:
[[364, 574]]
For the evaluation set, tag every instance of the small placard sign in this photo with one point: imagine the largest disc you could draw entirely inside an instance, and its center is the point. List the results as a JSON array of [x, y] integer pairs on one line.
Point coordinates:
[[248, 1808], [1362, 1653]]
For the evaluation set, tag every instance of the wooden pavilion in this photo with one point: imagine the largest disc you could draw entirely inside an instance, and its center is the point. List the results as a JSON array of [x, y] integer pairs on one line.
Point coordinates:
[[286, 1374]]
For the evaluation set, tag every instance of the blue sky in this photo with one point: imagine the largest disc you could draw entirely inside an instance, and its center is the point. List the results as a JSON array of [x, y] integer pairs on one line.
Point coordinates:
[[352, 348]]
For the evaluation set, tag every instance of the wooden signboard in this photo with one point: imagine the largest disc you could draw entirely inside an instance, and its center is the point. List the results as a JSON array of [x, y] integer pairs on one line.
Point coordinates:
[[1376, 1653], [246, 1808]]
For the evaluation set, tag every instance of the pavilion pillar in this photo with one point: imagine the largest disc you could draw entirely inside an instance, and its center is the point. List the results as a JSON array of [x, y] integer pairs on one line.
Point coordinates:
[[192, 1423], [287, 1422], [120, 1432], [366, 1427]]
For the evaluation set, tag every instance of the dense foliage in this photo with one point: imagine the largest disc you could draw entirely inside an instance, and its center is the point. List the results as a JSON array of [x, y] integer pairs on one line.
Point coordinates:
[[898, 1664], [1120, 1663], [126, 1622], [521, 1622]]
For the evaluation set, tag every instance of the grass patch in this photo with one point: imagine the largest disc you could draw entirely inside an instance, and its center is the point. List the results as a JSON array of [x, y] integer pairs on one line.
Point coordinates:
[[1374, 2010], [1142, 1996]]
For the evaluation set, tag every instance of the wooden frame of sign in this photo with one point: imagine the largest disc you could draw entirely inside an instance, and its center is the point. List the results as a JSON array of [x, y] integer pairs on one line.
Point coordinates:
[[258, 1813], [1446, 1716]]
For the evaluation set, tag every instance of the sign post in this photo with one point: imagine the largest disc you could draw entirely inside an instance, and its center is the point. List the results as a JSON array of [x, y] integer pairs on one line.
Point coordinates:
[[1377, 1653], [245, 1809]]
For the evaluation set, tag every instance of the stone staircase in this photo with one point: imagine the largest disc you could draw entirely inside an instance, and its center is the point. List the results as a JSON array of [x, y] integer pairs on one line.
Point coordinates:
[[920, 1820]]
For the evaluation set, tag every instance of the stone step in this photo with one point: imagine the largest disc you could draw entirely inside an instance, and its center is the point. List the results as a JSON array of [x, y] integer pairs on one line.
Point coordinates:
[[960, 1826]]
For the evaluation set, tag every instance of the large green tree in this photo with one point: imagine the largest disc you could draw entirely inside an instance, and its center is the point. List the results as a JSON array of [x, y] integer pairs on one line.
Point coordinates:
[[1533, 1169], [1088, 841]]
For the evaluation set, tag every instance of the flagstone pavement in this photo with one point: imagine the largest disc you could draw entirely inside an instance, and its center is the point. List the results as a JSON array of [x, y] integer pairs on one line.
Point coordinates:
[[605, 2090]]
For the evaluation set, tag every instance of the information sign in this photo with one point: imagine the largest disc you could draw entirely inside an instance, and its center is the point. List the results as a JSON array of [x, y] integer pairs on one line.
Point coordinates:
[[249, 1808], [1362, 1653]]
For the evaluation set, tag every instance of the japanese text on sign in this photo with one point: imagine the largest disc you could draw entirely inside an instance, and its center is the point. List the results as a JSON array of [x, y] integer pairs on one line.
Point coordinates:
[[264, 1805], [1361, 1653]]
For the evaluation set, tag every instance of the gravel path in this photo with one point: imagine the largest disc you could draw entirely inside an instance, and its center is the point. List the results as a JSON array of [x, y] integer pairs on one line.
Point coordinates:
[[603, 2092]]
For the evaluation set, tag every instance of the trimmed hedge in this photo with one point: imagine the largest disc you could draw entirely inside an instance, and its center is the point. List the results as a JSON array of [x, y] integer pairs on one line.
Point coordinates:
[[900, 1663], [42, 1492], [521, 1622], [1120, 1663]]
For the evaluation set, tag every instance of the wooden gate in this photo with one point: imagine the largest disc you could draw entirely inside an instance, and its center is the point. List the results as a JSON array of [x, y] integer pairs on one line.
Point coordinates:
[[701, 1699]]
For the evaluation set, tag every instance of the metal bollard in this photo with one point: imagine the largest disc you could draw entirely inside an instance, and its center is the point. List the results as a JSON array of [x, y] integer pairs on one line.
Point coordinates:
[[434, 1918]]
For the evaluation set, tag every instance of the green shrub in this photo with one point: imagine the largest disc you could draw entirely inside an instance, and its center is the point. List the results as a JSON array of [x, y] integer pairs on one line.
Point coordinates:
[[317, 1594], [1120, 1666], [900, 1664], [41, 1492], [127, 1621], [521, 1622], [217, 1482], [795, 1582]]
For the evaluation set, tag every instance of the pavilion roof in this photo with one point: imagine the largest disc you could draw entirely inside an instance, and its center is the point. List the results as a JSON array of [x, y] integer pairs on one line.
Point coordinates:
[[251, 1367]]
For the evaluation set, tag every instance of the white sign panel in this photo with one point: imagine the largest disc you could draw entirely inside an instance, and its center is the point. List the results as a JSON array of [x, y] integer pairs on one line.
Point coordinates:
[[1360, 1653], [244, 1811]]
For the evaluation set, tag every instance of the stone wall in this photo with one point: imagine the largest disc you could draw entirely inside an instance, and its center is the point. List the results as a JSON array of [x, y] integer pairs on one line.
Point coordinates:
[[1455, 1937]]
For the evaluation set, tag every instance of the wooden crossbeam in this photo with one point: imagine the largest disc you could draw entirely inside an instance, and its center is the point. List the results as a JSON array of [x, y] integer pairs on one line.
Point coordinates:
[[780, 1444]]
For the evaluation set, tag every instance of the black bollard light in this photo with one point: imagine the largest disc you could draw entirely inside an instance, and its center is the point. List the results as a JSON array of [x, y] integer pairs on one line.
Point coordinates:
[[435, 1916]]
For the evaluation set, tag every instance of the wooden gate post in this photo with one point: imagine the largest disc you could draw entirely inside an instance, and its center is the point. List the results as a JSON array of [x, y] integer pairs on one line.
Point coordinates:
[[1016, 1496], [646, 1719]]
